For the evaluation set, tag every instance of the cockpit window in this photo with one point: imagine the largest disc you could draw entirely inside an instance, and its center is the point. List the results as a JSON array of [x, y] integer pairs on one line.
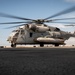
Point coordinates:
[[15, 31], [16, 34]]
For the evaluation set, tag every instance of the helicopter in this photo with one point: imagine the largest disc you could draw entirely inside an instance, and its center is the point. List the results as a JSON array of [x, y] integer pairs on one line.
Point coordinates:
[[32, 31]]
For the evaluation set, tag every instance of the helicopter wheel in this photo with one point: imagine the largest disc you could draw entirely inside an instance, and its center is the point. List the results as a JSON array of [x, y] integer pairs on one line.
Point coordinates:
[[56, 45], [13, 45], [41, 45]]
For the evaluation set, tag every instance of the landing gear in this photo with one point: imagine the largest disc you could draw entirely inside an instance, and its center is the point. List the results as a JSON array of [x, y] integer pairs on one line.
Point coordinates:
[[41, 45], [56, 45], [13, 45]]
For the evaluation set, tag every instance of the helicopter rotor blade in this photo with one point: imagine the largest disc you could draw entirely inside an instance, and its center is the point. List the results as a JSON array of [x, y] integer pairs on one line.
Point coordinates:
[[14, 22], [64, 22], [59, 19], [69, 25], [62, 12], [11, 16], [14, 26]]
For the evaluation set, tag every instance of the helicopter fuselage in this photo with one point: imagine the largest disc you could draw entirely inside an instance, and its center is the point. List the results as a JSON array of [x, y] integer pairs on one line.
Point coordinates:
[[39, 35]]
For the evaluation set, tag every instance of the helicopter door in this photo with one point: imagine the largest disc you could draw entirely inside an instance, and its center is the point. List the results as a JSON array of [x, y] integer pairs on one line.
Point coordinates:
[[22, 32]]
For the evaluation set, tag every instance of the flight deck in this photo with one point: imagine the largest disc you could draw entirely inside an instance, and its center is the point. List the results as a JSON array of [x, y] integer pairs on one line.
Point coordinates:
[[37, 61]]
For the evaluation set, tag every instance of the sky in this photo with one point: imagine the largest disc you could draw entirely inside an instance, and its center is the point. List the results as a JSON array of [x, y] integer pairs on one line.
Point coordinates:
[[33, 9]]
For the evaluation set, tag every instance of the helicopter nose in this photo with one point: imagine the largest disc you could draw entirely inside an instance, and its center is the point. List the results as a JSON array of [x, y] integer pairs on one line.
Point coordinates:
[[9, 38], [13, 37]]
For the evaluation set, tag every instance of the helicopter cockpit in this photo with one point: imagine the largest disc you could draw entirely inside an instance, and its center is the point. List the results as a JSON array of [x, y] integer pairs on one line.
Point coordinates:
[[15, 30]]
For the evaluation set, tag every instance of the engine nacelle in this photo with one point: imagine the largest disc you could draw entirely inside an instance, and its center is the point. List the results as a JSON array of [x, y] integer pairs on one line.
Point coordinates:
[[31, 27], [42, 29], [37, 28]]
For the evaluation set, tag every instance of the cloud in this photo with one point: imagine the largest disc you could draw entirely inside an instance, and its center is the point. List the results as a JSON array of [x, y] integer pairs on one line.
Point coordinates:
[[70, 0]]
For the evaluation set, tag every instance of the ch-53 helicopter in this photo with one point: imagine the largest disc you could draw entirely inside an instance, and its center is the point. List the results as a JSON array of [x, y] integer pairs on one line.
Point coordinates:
[[37, 32]]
